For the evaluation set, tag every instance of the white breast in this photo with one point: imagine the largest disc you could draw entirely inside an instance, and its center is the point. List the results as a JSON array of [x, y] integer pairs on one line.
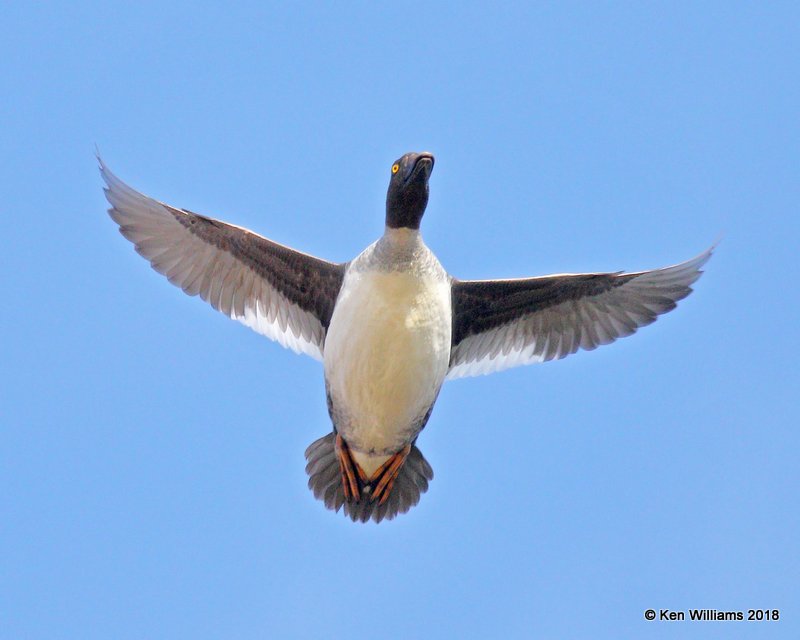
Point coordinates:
[[386, 355]]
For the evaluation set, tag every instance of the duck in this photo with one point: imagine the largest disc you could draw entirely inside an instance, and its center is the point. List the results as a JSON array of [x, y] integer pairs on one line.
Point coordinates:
[[389, 326]]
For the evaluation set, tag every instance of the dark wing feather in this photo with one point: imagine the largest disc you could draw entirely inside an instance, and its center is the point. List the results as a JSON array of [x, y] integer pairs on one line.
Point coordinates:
[[499, 324], [281, 293]]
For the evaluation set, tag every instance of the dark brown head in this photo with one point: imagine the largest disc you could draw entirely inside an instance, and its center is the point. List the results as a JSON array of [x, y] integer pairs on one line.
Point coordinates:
[[408, 190]]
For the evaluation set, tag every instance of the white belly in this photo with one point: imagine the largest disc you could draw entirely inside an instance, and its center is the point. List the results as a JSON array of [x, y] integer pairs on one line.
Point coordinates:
[[386, 356]]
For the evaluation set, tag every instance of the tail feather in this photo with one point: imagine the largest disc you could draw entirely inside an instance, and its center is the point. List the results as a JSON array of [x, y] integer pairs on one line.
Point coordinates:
[[325, 481]]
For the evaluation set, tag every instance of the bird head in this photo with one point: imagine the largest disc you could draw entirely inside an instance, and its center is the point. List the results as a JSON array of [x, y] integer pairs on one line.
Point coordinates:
[[408, 190]]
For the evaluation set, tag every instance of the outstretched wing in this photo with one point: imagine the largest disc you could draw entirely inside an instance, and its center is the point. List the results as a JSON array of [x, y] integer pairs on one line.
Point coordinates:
[[499, 324], [281, 293]]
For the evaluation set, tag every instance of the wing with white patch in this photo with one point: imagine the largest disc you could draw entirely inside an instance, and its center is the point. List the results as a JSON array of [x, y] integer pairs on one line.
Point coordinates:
[[281, 293], [499, 324]]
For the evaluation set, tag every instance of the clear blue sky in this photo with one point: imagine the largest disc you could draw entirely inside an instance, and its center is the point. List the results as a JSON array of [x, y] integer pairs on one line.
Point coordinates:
[[152, 478]]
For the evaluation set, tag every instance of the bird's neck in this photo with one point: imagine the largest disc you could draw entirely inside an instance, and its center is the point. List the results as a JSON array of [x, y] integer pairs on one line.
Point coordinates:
[[399, 246], [406, 210], [401, 237]]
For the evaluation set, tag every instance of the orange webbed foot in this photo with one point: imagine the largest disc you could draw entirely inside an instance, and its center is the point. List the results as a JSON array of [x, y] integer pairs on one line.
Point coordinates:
[[383, 479]]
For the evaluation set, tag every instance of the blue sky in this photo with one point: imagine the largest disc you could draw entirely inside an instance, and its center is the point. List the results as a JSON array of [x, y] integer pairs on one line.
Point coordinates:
[[151, 450]]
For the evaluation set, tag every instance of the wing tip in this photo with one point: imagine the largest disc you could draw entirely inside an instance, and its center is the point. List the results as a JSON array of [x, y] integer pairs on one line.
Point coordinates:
[[705, 256]]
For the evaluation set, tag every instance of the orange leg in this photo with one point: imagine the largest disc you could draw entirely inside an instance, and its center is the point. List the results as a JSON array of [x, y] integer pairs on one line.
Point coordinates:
[[386, 475], [351, 472]]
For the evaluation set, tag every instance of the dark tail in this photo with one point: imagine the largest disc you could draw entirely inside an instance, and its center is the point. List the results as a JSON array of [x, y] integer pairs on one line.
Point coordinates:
[[325, 480]]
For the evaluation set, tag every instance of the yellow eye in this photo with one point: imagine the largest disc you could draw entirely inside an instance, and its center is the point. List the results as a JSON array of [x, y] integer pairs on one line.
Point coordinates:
[[395, 168]]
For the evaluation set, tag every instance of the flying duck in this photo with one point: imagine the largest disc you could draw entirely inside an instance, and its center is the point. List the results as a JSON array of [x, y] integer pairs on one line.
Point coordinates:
[[390, 326]]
